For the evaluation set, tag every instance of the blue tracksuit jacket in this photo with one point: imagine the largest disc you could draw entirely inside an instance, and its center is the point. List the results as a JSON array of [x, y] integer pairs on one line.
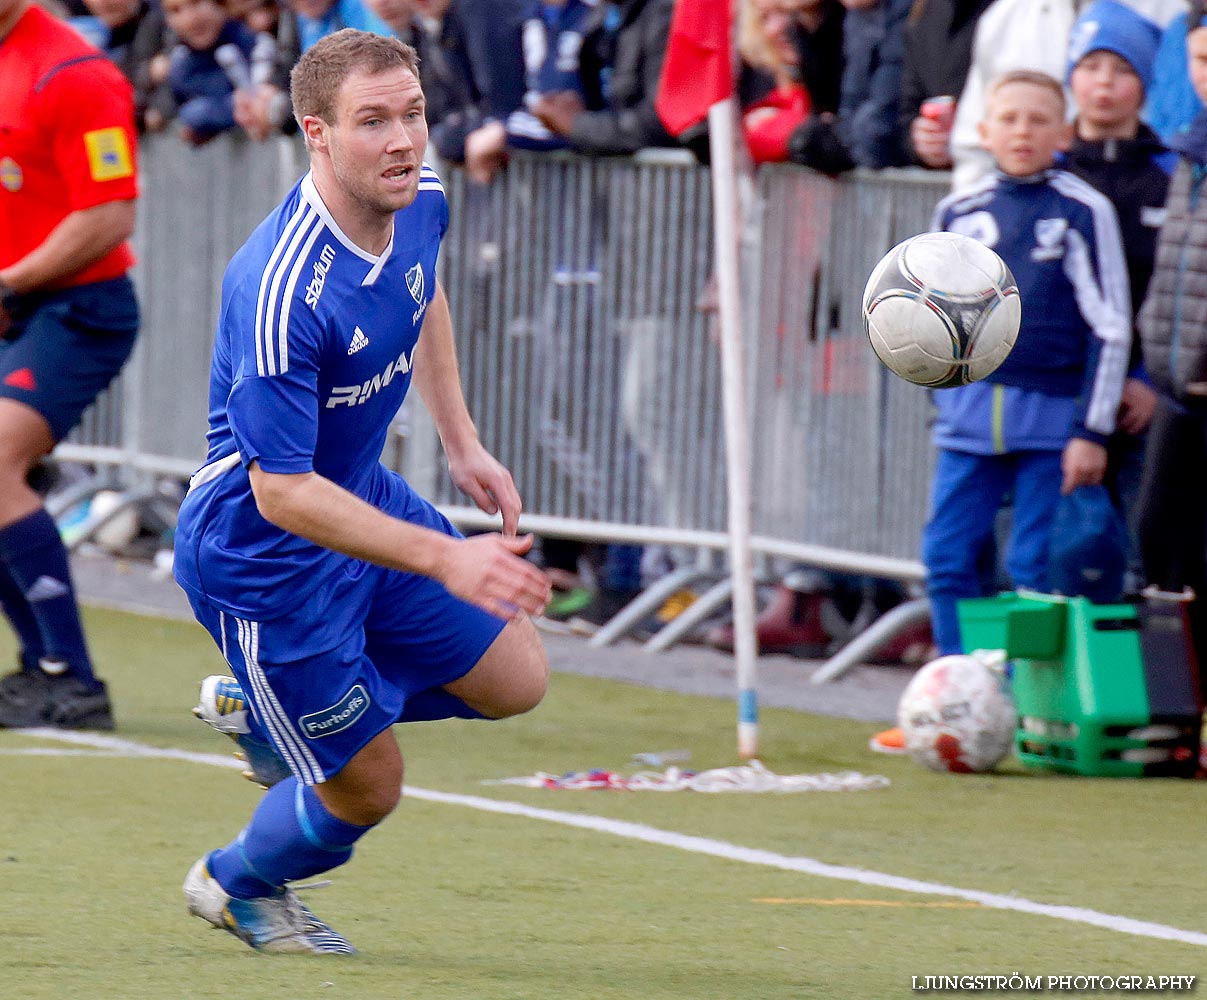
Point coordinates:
[[1060, 238]]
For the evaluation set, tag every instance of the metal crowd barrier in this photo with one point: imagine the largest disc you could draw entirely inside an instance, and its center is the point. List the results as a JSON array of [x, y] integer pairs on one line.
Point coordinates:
[[580, 291]]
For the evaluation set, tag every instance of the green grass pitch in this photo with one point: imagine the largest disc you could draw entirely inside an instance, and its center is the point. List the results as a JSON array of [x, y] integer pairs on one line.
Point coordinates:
[[448, 902]]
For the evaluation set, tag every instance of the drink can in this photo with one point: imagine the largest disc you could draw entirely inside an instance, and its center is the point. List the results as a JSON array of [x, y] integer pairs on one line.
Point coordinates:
[[941, 110]]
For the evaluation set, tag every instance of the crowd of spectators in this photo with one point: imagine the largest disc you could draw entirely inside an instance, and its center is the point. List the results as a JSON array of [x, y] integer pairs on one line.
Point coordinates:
[[832, 84]]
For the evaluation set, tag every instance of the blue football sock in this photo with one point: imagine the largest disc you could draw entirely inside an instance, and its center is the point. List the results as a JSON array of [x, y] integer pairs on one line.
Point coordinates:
[[291, 836], [21, 616], [436, 703], [36, 558]]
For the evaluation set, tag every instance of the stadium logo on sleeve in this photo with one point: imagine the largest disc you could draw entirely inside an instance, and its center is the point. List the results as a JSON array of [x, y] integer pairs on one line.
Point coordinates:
[[338, 717], [109, 156], [321, 267], [12, 177]]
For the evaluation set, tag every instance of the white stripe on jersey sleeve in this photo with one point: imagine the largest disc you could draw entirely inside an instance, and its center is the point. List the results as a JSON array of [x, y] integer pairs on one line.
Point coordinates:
[[287, 301], [266, 277], [429, 180], [267, 319]]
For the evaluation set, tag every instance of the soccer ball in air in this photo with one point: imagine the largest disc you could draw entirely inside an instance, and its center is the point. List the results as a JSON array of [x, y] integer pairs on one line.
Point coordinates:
[[957, 715], [941, 309]]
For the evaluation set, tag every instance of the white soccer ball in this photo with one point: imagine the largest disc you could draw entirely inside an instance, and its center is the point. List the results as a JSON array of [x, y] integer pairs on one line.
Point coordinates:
[[941, 309], [957, 715], [119, 531]]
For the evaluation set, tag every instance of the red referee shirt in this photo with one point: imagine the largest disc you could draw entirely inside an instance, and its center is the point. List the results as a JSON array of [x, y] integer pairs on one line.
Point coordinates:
[[67, 139]]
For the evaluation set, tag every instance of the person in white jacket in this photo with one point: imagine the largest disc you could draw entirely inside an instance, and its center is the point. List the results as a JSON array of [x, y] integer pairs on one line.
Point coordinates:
[[1020, 34]]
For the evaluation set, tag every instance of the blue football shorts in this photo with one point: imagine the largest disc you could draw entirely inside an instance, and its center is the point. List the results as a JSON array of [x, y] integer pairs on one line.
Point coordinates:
[[325, 679], [66, 346]]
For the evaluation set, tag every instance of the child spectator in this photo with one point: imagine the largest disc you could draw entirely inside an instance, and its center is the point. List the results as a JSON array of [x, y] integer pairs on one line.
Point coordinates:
[[1038, 426], [1111, 53], [213, 53], [133, 34], [1173, 327], [1020, 34]]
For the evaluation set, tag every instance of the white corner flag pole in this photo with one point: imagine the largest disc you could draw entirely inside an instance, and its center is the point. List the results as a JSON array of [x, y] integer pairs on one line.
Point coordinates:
[[722, 130]]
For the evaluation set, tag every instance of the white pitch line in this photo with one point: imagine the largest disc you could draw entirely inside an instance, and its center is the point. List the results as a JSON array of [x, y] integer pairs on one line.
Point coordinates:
[[695, 845]]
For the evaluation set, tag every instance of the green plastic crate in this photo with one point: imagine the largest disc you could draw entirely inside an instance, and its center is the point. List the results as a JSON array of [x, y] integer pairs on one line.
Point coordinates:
[[1090, 701]]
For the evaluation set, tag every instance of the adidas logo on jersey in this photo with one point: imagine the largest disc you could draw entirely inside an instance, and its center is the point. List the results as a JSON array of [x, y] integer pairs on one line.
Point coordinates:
[[359, 341]]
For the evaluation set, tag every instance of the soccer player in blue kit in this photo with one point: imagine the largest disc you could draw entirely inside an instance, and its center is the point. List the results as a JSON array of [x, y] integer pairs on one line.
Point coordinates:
[[342, 601]]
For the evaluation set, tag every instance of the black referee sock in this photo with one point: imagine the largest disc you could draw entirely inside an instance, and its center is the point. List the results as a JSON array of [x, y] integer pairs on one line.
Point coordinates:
[[21, 616], [36, 558]]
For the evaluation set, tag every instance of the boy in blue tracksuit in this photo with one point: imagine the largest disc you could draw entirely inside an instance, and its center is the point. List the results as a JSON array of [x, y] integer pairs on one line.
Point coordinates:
[[1038, 426]]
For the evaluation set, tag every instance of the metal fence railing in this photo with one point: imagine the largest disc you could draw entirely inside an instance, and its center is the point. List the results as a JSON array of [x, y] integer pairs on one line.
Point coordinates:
[[580, 293]]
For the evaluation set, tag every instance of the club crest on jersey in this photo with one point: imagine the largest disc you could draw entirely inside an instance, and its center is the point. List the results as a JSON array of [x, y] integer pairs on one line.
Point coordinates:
[[354, 395], [321, 267], [415, 284], [1049, 239], [338, 717]]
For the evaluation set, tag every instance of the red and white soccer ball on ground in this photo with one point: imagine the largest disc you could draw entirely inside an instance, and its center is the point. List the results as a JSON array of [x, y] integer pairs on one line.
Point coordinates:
[[941, 309], [957, 715]]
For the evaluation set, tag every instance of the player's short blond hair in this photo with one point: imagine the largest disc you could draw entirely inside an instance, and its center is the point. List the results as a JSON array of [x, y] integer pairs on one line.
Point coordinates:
[[1035, 77], [316, 79]]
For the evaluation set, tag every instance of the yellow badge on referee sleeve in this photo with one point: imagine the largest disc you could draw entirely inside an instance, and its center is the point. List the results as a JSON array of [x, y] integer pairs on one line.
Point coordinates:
[[108, 154]]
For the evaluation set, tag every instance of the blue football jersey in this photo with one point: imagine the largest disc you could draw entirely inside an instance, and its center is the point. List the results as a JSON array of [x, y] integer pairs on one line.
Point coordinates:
[[312, 359]]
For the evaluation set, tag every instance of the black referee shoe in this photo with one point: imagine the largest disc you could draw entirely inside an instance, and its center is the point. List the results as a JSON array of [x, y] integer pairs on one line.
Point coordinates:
[[35, 698]]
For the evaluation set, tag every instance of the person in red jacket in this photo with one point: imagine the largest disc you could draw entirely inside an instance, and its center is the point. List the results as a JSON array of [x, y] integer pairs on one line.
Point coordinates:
[[68, 319], [770, 55]]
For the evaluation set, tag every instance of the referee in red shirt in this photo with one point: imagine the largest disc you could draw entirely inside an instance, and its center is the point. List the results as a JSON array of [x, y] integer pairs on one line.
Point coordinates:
[[68, 318]]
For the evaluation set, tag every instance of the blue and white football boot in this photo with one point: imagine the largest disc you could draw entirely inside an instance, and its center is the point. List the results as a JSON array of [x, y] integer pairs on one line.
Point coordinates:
[[223, 707], [281, 924]]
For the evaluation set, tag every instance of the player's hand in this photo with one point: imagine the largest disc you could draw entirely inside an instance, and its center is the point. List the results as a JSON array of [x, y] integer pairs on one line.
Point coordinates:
[[1083, 463], [1137, 406], [558, 110], [483, 478], [931, 141], [488, 571]]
